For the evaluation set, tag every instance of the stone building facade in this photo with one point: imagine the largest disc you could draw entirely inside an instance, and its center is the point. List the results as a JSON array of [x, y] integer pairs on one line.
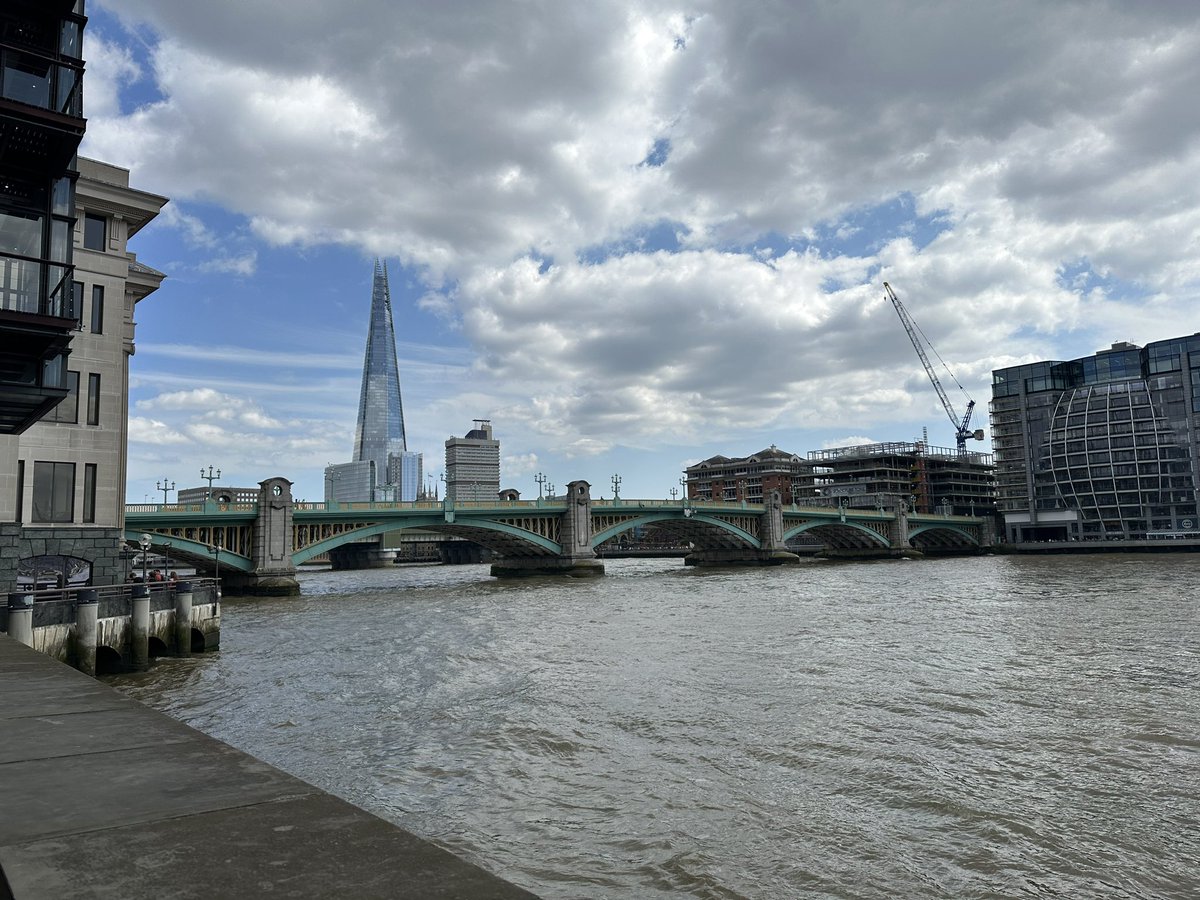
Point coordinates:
[[69, 493]]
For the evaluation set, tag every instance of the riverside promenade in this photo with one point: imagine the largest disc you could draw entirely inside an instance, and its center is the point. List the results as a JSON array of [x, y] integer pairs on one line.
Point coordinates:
[[103, 797]]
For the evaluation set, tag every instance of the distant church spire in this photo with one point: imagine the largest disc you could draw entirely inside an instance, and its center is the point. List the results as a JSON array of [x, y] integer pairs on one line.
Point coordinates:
[[380, 430]]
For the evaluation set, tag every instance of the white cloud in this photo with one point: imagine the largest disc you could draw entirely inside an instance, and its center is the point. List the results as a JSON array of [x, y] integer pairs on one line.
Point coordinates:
[[243, 265], [499, 154]]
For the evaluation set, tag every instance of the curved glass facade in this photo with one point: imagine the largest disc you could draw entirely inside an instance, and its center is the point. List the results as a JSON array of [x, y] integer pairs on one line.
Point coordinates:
[[1112, 455], [1106, 447]]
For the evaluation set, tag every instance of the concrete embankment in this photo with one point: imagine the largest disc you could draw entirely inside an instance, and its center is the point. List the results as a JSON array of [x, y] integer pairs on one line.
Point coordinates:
[[102, 797]]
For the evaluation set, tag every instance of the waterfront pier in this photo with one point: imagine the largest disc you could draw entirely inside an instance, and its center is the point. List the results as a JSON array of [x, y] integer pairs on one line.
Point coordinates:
[[116, 628], [107, 799]]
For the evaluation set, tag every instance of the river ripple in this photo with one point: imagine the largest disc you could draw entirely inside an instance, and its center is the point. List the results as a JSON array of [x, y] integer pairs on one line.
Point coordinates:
[[989, 727]]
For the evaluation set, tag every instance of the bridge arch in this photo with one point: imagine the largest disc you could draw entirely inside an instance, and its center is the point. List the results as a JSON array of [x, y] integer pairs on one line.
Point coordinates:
[[945, 530], [197, 551], [475, 529], [690, 526], [835, 526]]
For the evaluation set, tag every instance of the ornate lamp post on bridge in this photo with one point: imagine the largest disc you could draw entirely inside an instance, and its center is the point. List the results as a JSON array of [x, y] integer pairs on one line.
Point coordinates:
[[541, 482], [674, 493], [616, 484], [210, 478], [145, 543], [684, 490], [164, 487]]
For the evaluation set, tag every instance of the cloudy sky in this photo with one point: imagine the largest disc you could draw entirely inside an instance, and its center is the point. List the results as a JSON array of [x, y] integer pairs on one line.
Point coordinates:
[[634, 234]]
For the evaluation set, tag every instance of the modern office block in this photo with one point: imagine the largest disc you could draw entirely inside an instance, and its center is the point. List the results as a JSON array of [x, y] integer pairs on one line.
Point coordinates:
[[1100, 448], [473, 464]]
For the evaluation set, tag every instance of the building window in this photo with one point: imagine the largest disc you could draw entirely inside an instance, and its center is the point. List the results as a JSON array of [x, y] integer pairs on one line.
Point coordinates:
[[89, 492], [20, 490], [68, 411], [95, 229], [76, 300], [93, 407], [97, 309], [53, 492]]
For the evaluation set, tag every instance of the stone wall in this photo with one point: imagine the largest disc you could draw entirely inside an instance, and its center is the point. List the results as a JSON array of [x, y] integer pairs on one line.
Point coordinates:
[[101, 546]]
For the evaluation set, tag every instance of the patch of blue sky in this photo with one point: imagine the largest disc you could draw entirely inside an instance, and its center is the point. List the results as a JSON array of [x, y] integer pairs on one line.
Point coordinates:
[[658, 154], [1080, 276], [863, 231], [858, 233], [138, 92], [660, 236]]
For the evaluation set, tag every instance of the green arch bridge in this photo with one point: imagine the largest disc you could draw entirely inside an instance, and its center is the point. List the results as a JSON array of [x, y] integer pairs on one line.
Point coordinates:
[[259, 545]]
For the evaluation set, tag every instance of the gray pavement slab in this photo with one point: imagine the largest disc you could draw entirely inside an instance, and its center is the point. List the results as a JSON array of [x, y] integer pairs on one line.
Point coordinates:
[[102, 797]]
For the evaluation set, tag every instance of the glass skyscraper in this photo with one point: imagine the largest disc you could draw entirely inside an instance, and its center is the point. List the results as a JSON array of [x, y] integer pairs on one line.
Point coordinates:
[[1102, 447], [383, 468]]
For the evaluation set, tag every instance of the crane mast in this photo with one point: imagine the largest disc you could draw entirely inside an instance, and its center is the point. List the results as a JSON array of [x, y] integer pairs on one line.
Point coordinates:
[[962, 428]]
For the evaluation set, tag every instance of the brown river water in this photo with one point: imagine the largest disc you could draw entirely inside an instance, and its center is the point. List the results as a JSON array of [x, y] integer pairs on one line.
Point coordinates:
[[980, 727]]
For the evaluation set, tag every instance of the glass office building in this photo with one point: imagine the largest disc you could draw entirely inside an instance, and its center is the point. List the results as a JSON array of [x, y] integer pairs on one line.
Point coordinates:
[[394, 472], [1100, 448]]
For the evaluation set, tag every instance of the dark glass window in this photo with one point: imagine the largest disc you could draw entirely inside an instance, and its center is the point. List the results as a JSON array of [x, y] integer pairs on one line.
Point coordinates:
[[20, 490], [97, 309], [89, 492], [93, 407], [76, 300], [68, 410], [94, 230], [53, 492]]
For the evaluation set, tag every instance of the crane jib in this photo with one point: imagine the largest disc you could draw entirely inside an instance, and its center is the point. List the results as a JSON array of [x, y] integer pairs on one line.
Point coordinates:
[[962, 428]]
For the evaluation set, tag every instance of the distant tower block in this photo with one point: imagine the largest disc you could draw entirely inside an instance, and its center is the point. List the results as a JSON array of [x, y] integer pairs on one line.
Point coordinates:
[[473, 465]]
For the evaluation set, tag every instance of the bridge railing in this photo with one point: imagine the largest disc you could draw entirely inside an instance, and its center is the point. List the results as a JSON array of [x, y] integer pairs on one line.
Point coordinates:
[[205, 508]]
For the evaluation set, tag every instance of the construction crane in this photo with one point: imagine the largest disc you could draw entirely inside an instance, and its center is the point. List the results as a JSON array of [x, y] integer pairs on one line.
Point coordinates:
[[962, 428]]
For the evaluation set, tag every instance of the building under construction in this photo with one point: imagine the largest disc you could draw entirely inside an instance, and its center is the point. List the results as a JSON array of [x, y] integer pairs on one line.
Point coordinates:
[[928, 479]]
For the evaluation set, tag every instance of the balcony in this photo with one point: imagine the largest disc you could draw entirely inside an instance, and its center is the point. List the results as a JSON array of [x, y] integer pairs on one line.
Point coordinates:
[[36, 326], [41, 109]]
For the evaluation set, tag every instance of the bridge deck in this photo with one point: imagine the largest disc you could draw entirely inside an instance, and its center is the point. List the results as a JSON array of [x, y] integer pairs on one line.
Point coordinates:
[[173, 812]]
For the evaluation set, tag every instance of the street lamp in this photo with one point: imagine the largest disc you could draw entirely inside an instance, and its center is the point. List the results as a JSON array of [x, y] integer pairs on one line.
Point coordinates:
[[674, 493], [164, 487], [616, 483], [683, 486], [210, 478], [145, 543], [216, 552], [541, 482]]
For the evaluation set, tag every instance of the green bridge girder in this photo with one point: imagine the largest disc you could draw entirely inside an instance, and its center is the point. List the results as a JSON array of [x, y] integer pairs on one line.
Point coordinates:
[[477, 520], [196, 550]]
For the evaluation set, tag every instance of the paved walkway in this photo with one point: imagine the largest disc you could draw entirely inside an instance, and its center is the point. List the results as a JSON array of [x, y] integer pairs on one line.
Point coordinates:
[[102, 797]]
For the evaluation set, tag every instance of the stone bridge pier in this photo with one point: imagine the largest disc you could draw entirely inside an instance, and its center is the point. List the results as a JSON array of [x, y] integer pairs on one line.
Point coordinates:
[[365, 555], [577, 557], [274, 573], [772, 551]]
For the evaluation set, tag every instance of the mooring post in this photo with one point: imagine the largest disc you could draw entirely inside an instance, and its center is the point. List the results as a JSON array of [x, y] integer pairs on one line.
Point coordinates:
[[139, 627], [87, 610], [183, 618], [20, 618]]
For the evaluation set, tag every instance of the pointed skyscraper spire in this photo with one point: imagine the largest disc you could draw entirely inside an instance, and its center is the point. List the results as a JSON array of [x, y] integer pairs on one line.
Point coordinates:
[[380, 430]]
